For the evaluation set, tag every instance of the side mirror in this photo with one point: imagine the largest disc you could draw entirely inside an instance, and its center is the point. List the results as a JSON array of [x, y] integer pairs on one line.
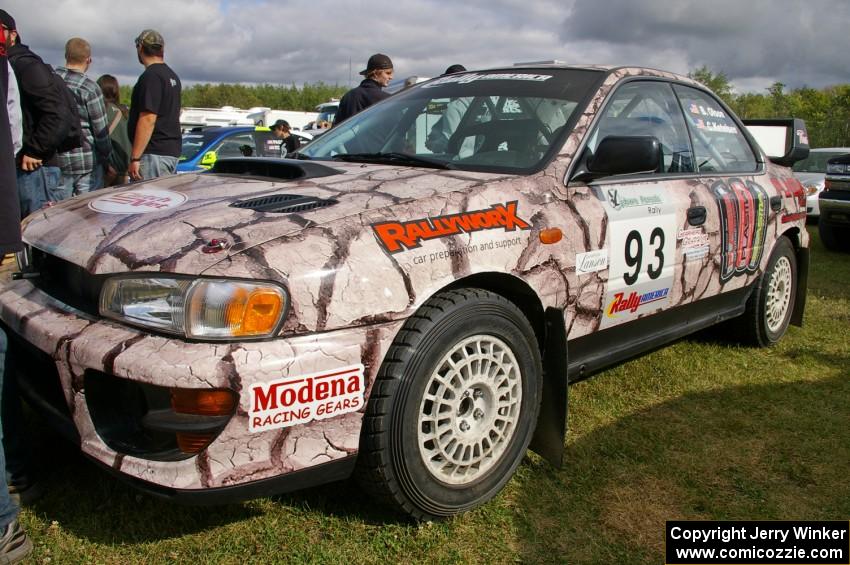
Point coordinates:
[[209, 158], [622, 155], [784, 140]]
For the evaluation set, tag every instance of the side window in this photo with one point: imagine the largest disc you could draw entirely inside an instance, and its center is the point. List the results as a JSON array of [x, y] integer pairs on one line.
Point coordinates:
[[719, 146], [648, 109], [267, 144], [240, 145]]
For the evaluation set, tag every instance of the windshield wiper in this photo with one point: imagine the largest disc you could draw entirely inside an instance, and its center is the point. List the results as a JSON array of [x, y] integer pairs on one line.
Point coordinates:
[[393, 157]]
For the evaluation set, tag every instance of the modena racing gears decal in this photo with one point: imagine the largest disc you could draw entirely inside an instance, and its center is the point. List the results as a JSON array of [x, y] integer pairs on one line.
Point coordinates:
[[398, 236], [744, 213], [291, 401]]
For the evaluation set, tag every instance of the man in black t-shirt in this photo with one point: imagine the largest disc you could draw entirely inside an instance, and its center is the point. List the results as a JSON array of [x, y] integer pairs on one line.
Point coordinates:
[[154, 123], [290, 143]]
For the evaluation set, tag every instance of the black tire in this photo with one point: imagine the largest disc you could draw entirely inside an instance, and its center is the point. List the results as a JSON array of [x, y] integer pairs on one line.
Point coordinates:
[[833, 238], [391, 463], [763, 324]]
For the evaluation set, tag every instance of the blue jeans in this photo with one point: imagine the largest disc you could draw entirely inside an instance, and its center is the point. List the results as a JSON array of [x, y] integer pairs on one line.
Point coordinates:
[[81, 184], [8, 509], [153, 166], [37, 188]]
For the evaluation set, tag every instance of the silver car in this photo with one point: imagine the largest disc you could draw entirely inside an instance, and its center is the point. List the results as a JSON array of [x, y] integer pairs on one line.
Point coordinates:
[[811, 171]]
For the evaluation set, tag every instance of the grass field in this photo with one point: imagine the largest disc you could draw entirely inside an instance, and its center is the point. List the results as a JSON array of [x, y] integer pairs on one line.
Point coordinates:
[[702, 429]]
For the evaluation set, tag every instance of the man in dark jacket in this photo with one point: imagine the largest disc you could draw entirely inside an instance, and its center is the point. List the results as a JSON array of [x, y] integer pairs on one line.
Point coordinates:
[[14, 543], [45, 120], [378, 73]]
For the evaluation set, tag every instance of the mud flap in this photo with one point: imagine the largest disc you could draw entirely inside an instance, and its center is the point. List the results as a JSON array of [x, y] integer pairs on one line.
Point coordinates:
[[550, 433], [802, 287]]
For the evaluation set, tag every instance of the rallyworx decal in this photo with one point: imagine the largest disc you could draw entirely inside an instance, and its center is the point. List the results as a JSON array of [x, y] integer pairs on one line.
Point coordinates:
[[398, 236], [744, 212], [291, 401], [138, 201]]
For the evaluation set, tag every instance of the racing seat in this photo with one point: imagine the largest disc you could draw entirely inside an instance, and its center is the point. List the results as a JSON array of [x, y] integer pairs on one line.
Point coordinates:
[[518, 136]]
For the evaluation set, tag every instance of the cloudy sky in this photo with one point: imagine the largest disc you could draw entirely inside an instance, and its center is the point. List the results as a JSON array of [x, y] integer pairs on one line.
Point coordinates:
[[755, 42]]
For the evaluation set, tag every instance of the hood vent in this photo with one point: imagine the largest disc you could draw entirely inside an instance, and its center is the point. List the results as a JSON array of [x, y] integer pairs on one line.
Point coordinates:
[[276, 169], [284, 203]]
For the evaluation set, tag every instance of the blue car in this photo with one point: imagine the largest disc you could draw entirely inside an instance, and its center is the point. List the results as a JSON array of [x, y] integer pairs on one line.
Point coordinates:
[[202, 147]]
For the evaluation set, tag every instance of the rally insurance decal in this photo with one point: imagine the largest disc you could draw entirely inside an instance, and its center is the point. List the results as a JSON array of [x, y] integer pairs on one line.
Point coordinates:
[[398, 236]]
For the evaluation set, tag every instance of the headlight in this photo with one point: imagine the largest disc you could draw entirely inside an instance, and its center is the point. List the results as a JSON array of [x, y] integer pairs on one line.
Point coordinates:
[[214, 309], [813, 188]]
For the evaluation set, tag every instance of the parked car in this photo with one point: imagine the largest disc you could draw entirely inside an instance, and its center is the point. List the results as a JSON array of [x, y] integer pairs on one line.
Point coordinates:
[[202, 146], [811, 172], [407, 315], [834, 224]]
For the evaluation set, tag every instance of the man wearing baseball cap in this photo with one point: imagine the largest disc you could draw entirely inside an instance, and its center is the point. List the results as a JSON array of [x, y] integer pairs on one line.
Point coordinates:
[[154, 121], [378, 73]]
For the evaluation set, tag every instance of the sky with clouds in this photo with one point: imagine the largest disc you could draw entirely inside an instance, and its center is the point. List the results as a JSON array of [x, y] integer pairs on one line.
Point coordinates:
[[755, 42]]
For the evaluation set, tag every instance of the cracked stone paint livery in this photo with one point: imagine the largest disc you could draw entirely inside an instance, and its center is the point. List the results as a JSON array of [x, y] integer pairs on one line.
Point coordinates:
[[349, 296]]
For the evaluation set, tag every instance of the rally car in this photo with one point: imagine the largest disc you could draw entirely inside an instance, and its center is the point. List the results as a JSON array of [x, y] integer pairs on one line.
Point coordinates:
[[202, 146], [409, 300]]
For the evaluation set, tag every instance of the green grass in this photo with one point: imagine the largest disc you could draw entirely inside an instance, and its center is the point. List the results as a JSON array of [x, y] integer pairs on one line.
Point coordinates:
[[702, 429]]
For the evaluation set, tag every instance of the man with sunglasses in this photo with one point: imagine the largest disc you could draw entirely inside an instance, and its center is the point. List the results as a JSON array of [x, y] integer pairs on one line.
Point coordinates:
[[154, 122], [83, 168]]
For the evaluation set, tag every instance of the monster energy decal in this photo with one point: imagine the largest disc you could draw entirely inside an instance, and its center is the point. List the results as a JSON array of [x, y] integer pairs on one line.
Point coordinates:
[[743, 226]]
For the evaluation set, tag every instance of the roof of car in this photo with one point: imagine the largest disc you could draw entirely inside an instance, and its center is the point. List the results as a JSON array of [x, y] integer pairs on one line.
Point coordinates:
[[627, 70]]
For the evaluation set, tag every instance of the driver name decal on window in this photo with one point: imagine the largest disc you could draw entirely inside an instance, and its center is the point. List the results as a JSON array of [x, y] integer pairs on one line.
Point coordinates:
[[398, 236], [473, 77]]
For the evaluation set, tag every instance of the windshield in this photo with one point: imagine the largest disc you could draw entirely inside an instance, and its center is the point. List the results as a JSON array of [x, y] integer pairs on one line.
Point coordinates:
[[816, 161], [192, 144], [499, 121], [327, 115]]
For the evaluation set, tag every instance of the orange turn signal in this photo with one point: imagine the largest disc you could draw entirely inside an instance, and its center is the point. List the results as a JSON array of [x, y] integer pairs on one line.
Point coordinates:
[[255, 313], [193, 443], [203, 402], [551, 235]]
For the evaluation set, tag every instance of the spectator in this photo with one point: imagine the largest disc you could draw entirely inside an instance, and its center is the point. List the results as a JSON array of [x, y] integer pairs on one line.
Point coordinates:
[[116, 115], [15, 545], [45, 120], [438, 138], [154, 125], [378, 73], [290, 143], [83, 168]]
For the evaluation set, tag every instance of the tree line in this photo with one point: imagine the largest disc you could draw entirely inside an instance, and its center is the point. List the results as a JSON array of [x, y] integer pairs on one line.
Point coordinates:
[[826, 110], [277, 97]]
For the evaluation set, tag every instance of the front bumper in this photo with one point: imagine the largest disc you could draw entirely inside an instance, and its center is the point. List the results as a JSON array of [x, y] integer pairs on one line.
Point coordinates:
[[70, 345], [835, 208]]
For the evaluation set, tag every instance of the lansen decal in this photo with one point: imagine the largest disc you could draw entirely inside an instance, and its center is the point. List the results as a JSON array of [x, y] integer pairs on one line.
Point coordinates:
[[633, 301], [398, 236], [743, 226], [137, 201], [289, 402], [591, 262]]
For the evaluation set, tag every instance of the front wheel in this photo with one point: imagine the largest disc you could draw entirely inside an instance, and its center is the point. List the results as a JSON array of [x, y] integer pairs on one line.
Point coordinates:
[[769, 308], [454, 405]]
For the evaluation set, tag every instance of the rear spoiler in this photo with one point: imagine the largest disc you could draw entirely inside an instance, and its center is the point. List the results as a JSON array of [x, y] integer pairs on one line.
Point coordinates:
[[784, 140]]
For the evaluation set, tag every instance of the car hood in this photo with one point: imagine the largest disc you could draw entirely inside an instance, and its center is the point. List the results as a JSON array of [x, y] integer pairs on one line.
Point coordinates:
[[187, 223]]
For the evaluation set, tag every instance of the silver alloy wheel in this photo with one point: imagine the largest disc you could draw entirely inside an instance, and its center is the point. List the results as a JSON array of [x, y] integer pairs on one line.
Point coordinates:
[[778, 294], [469, 410]]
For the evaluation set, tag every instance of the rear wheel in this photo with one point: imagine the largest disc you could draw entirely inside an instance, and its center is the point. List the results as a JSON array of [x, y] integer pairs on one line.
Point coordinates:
[[770, 306], [454, 406]]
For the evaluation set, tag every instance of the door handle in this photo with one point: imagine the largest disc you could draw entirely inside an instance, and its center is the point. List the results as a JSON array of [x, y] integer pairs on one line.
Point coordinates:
[[696, 215]]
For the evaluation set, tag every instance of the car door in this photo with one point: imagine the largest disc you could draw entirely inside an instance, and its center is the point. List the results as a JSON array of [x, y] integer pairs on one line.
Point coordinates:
[[646, 212], [727, 165]]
